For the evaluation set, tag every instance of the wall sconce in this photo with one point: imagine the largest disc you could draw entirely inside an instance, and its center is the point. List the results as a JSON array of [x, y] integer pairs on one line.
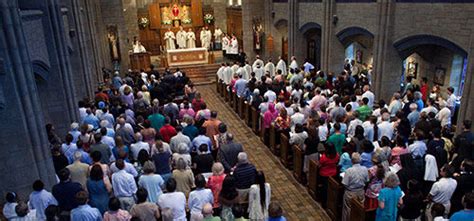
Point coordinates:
[[335, 19]]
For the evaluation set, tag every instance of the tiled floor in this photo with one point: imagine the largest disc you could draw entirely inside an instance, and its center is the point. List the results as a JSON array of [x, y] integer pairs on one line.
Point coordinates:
[[295, 200]]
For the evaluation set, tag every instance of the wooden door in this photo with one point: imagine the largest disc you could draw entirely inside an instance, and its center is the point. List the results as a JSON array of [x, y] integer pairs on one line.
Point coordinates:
[[234, 24]]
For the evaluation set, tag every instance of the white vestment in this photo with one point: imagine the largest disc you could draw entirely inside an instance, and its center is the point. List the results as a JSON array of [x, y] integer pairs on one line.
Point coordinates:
[[169, 39], [225, 44], [234, 68], [205, 39], [234, 46], [243, 72], [220, 73], [181, 38], [281, 65], [270, 67], [248, 69], [228, 75], [259, 72], [190, 39], [138, 48], [293, 65], [257, 62], [218, 35]]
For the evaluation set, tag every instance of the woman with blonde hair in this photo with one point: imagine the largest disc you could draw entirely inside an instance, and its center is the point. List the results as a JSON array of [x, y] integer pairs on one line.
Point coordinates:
[[215, 182], [151, 182]]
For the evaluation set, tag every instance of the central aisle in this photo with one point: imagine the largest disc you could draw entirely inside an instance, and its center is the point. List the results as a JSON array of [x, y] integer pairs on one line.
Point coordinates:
[[293, 197]]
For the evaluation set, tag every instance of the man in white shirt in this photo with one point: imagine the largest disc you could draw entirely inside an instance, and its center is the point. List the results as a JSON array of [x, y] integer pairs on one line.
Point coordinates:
[[369, 95], [353, 124], [124, 186], [385, 127], [270, 95], [442, 190], [173, 201], [444, 115], [395, 105], [451, 102], [429, 107], [138, 146], [297, 118]]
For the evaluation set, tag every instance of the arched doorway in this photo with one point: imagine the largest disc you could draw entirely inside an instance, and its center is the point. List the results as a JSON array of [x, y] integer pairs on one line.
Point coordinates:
[[41, 73], [440, 61], [281, 39], [312, 33], [358, 45]]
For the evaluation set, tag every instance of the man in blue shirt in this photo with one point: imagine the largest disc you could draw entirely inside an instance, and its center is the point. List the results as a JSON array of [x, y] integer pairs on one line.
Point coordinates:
[[124, 186], [201, 139], [468, 212], [240, 86], [91, 119], [84, 212]]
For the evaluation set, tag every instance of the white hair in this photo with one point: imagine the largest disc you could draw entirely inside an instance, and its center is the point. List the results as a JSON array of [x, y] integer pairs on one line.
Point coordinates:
[[242, 157]]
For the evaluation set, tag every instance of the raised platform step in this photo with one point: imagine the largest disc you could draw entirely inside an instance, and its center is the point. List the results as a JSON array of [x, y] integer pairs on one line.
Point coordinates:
[[199, 74]]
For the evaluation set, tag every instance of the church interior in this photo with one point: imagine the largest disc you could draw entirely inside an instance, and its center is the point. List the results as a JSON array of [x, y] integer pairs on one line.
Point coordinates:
[[58, 55]]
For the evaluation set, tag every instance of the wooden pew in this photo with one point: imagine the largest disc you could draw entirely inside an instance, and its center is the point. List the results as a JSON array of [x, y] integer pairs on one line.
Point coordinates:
[[255, 116], [284, 150], [222, 89], [226, 93], [298, 159], [272, 140], [262, 131], [217, 84], [334, 200], [313, 172], [358, 212], [247, 116], [241, 107], [235, 101]]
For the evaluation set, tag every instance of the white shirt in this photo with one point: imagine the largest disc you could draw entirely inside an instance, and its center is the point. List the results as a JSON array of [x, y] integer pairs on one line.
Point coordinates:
[[352, 126], [271, 95], [297, 118], [40, 200], [9, 210], [136, 147], [293, 65], [444, 116], [259, 72], [429, 109], [220, 73], [443, 190], [385, 129], [176, 201], [431, 168], [323, 132], [123, 184], [369, 95], [281, 65], [129, 168]]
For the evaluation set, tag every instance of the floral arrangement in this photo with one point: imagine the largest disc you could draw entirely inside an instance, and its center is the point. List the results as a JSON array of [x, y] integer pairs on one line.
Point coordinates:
[[186, 21], [143, 22], [208, 18]]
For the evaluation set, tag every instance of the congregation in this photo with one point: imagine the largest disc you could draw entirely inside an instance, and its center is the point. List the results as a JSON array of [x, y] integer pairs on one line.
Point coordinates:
[[147, 148], [400, 158]]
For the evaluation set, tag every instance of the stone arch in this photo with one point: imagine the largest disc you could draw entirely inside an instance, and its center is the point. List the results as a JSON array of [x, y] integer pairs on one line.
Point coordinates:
[[281, 23], [407, 45], [346, 34], [41, 69], [309, 26]]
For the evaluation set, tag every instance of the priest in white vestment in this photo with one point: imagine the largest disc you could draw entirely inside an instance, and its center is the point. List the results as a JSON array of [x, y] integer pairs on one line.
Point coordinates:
[[181, 37], [220, 72], [205, 37], [228, 74], [190, 39], [248, 69], [258, 61], [225, 44], [235, 67], [138, 47], [259, 72], [281, 65], [270, 67], [293, 64], [243, 72], [169, 39], [234, 46], [218, 38]]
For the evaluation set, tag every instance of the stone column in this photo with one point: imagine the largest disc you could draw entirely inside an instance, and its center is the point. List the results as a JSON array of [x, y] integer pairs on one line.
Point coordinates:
[[466, 110], [292, 27], [27, 157]]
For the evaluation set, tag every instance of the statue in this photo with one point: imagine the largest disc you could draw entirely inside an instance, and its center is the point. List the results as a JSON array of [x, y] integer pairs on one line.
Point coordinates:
[[257, 34], [205, 36], [190, 39], [181, 37], [175, 11], [169, 39], [217, 38], [113, 43]]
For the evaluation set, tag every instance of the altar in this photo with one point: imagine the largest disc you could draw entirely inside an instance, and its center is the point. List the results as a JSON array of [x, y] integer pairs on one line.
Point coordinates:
[[189, 56]]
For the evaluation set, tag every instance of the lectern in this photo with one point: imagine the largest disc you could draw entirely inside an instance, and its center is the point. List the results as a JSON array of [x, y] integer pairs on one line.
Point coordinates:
[[140, 61]]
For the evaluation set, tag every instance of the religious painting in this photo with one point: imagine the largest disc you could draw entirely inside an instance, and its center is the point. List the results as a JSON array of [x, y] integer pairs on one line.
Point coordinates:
[[439, 76], [359, 56], [412, 69], [175, 14], [114, 45]]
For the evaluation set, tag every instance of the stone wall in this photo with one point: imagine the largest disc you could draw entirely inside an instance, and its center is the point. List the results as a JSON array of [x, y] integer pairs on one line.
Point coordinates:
[[251, 9]]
